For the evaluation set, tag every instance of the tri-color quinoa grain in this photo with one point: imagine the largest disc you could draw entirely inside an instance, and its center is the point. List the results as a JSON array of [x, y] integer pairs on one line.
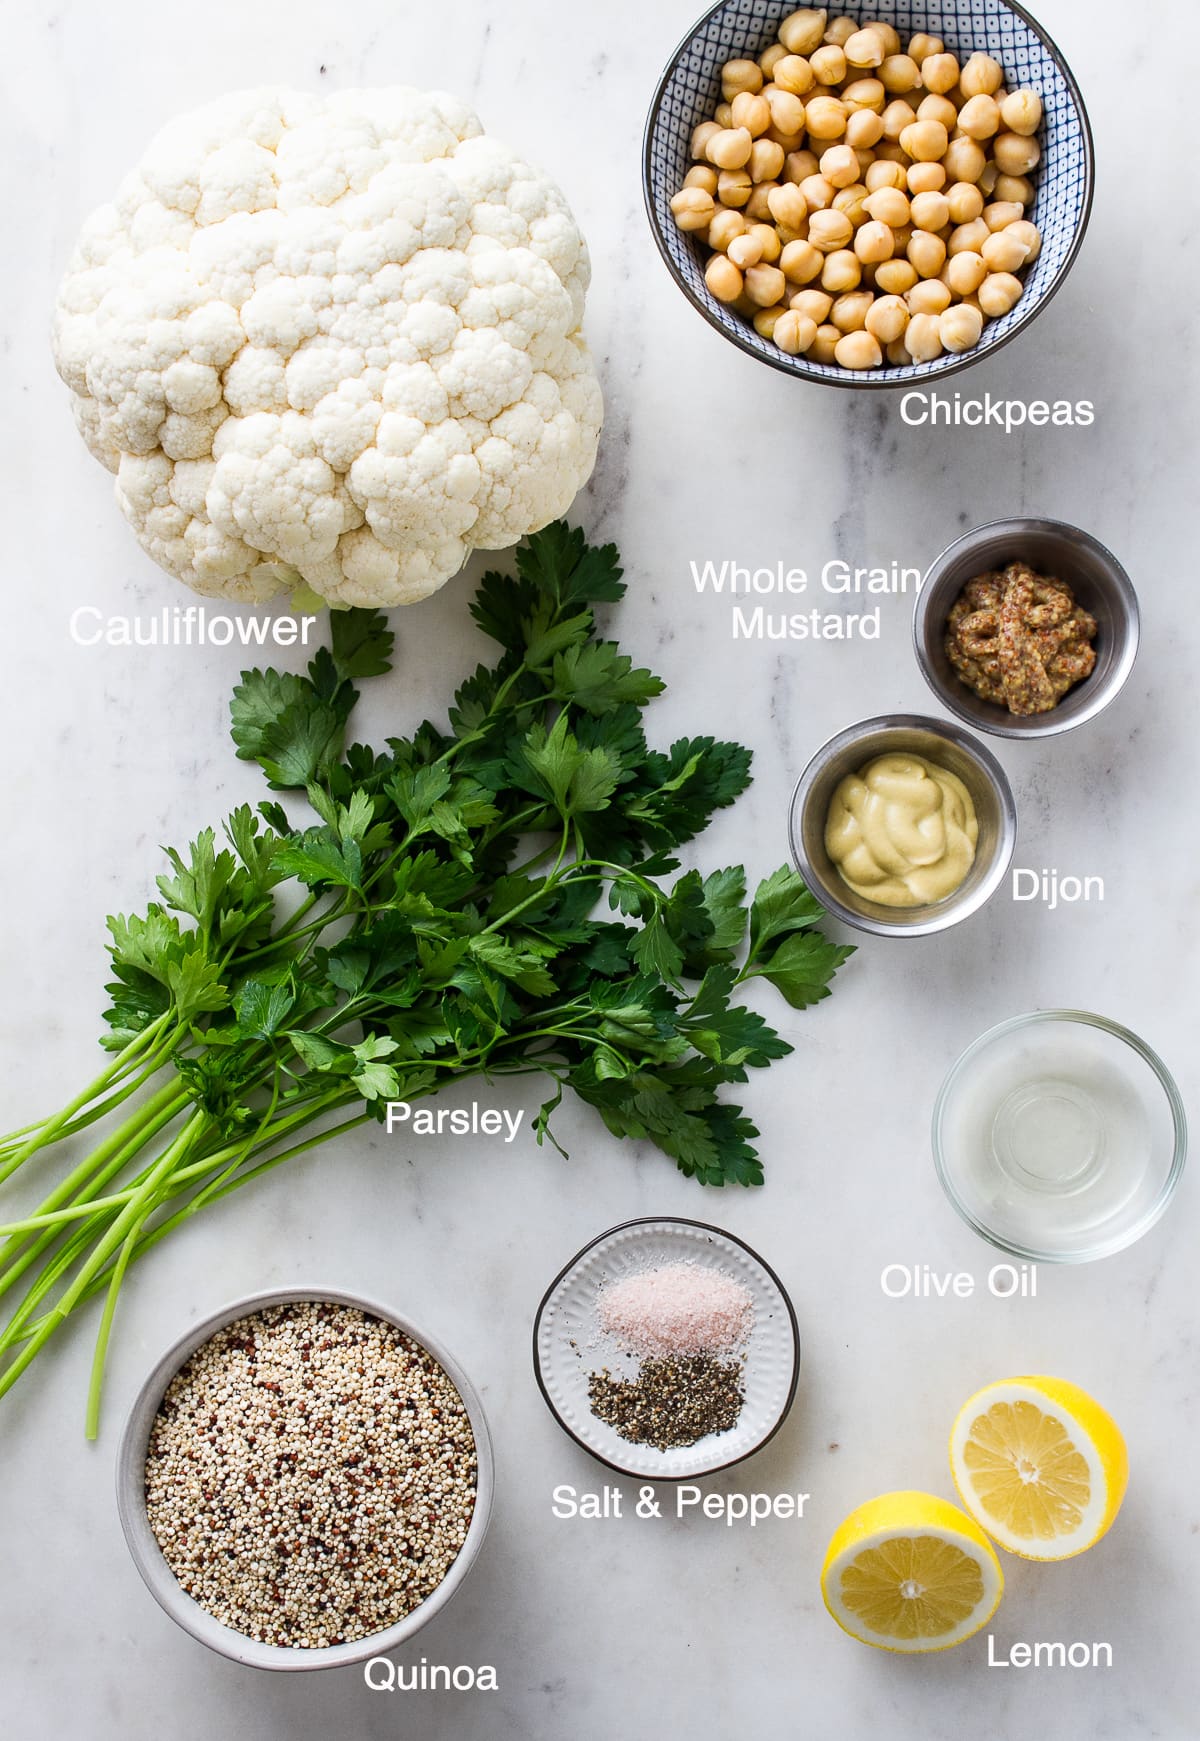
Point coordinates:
[[310, 1475]]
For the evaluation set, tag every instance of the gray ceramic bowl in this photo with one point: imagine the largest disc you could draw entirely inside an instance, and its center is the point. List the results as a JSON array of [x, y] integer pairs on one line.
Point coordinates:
[[938, 741], [1051, 547], [147, 1556], [690, 90]]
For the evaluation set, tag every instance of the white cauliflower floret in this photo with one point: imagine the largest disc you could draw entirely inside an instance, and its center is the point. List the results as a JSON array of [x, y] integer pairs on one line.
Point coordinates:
[[334, 341]]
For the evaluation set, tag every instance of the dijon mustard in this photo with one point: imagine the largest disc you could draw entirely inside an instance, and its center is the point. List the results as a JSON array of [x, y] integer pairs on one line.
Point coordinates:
[[902, 831]]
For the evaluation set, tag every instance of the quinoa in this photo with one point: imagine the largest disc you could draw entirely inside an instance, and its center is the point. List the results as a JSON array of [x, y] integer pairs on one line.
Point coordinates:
[[310, 1475]]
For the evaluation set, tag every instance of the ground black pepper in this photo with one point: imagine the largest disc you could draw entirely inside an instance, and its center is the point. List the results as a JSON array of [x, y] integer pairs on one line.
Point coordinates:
[[671, 1403]]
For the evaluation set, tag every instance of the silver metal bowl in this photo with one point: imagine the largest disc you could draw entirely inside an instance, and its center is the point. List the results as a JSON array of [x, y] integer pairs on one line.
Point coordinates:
[[1094, 575], [147, 1555], [938, 741]]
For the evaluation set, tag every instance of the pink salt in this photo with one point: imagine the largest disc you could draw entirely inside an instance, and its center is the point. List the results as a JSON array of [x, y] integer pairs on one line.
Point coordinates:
[[680, 1308]]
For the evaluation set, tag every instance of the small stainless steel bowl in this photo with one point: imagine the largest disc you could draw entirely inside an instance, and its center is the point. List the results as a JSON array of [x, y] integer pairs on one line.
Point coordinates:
[[1050, 547], [147, 1555], [949, 747]]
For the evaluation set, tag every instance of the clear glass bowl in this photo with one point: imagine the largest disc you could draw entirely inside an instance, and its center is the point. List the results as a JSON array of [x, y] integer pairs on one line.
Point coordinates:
[[1059, 1136]]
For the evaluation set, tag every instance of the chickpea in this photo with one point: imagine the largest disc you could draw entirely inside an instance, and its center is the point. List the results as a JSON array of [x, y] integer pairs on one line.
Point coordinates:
[[1001, 213], [968, 238], [925, 178], [999, 292], [897, 354], [981, 76], [979, 118], [802, 31], [1005, 252], [884, 175], [895, 277], [965, 272], [874, 243], [887, 205], [801, 262], [700, 137], [758, 207], [864, 128], [746, 250], [927, 253], [938, 109], [816, 304], [766, 161], [701, 176], [864, 48], [896, 117], [828, 66], [826, 118], [899, 73], [752, 112], [988, 178], [1015, 188], [960, 328], [1030, 235], [829, 231], [738, 76], [889, 151], [794, 332], [765, 285], [793, 74], [799, 165], [921, 46], [1013, 154], [693, 208], [788, 206], [839, 165], [965, 202], [964, 160], [887, 318], [786, 110], [858, 350], [730, 148], [850, 312], [723, 278], [925, 142], [840, 30], [851, 201], [734, 187], [1022, 113], [724, 227], [902, 235], [922, 338], [770, 58], [864, 94], [818, 193], [930, 211], [842, 271], [930, 296], [939, 72], [825, 344], [723, 115], [765, 320]]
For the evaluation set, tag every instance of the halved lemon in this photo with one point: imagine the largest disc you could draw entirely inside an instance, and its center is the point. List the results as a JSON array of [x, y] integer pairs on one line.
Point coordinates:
[[909, 1572], [1040, 1465]]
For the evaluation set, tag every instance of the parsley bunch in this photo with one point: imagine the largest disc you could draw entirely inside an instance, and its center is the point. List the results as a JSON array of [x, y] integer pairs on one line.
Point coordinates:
[[496, 898]]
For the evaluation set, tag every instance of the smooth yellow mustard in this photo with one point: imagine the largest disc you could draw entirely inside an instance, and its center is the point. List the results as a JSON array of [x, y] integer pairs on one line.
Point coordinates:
[[902, 831]]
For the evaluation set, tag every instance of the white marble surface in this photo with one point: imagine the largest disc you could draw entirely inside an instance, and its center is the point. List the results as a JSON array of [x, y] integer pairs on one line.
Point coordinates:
[[635, 1628]]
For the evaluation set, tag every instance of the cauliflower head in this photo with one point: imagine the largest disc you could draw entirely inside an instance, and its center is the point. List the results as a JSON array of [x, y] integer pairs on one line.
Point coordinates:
[[333, 340]]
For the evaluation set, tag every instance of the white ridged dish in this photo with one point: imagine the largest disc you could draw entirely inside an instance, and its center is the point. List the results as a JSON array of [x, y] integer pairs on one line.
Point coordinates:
[[568, 1346]]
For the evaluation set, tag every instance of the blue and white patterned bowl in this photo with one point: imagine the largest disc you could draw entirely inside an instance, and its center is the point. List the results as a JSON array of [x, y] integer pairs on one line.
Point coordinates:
[[690, 90]]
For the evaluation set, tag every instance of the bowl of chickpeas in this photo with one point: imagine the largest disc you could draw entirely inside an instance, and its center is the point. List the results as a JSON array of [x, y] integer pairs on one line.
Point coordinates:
[[868, 201]]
